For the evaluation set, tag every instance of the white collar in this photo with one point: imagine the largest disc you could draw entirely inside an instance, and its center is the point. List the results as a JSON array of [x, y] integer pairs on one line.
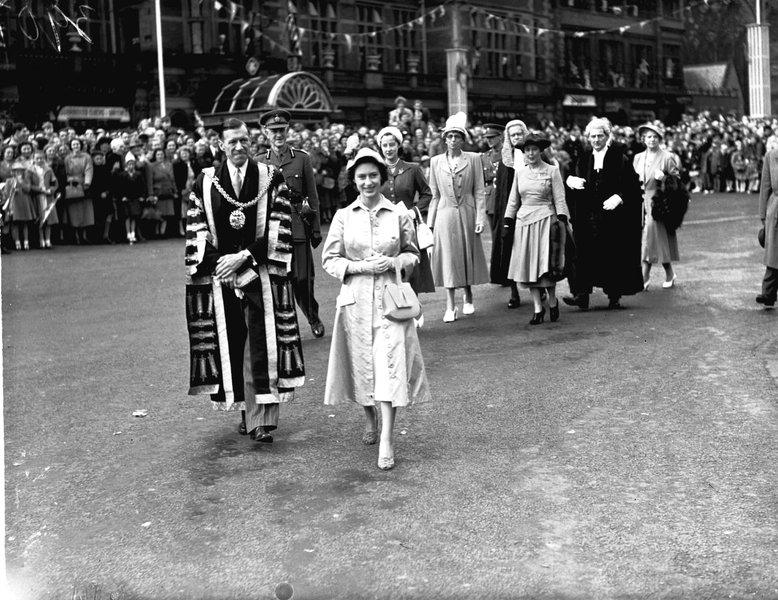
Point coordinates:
[[233, 169], [599, 156]]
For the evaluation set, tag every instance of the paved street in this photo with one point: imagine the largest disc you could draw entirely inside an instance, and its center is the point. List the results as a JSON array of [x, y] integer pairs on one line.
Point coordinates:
[[615, 454]]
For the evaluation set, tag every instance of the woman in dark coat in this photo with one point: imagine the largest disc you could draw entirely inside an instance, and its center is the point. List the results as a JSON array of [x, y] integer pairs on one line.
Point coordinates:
[[502, 242], [406, 184]]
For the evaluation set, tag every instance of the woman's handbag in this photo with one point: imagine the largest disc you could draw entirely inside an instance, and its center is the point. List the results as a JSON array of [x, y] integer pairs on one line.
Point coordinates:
[[400, 301], [670, 203], [423, 233], [760, 236], [74, 189]]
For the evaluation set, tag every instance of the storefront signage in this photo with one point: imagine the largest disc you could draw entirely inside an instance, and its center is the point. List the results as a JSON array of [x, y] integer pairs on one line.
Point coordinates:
[[579, 100], [94, 113]]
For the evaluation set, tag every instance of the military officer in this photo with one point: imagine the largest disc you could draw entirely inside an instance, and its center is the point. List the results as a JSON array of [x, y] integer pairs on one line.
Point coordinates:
[[298, 172], [490, 161]]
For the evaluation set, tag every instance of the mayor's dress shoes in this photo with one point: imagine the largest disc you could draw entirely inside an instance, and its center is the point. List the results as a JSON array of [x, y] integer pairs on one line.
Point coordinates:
[[579, 300], [258, 434], [766, 300]]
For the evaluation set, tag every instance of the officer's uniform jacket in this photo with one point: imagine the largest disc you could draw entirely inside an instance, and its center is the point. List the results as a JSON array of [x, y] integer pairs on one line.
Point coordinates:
[[296, 167]]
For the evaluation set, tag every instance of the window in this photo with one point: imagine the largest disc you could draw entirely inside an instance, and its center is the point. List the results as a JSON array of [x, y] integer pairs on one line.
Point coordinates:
[[671, 64], [643, 66], [612, 65], [578, 62], [403, 42], [322, 19], [503, 48], [369, 20]]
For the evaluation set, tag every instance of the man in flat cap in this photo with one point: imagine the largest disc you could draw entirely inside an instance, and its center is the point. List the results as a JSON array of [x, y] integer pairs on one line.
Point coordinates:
[[490, 161], [298, 172]]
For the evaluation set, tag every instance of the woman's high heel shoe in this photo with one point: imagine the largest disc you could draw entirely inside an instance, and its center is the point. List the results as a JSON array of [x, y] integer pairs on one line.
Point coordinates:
[[537, 318], [450, 315], [553, 313]]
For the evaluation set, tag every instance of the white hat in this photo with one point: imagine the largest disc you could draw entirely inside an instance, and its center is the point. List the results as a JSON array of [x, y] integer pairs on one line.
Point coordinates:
[[364, 155], [130, 157], [393, 131], [457, 122]]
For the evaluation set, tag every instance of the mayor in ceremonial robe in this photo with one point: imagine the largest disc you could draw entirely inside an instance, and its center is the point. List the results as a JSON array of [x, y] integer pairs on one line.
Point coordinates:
[[245, 348], [607, 220]]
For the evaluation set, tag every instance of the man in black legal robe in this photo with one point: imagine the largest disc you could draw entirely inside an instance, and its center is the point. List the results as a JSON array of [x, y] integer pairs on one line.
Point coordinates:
[[607, 215]]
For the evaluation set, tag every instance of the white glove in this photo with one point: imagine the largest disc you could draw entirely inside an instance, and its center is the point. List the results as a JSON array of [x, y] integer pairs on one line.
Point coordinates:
[[575, 183], [612, 202], [360, 267], [659, 174]]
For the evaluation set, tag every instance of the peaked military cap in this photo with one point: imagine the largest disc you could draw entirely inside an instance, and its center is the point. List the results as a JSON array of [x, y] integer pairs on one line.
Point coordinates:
[[275, 119]]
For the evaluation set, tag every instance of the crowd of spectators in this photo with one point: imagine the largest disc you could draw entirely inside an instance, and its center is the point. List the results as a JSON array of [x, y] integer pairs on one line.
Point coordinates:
[[129, 185]]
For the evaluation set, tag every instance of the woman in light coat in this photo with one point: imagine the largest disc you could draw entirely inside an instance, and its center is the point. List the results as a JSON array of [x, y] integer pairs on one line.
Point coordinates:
[[768, 213], [457, 216], [79, 212], [372, 359], [539, 189], [660, 245]]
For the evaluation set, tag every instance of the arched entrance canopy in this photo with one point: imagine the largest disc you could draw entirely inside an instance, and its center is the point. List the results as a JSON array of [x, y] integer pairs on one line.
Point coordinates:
[[301, 93]]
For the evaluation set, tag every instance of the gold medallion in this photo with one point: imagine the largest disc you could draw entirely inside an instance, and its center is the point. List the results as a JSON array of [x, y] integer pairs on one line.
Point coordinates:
[[237, 219]]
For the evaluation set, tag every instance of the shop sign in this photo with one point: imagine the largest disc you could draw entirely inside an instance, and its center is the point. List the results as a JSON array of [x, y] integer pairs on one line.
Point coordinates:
[[94, 113], [579, 100]]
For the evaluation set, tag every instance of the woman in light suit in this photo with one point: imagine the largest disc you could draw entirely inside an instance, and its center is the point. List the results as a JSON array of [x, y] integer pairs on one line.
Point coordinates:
[[660, 245], [457, 216], [768, 213]]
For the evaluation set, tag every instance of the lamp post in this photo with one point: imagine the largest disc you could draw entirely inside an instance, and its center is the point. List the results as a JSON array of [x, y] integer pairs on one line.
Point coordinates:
[[160, 63], [759, 101]]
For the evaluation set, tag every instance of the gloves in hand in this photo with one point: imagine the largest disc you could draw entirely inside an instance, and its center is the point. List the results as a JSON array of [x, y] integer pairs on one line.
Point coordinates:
[[562, 218], [509, 224], [315, 240]]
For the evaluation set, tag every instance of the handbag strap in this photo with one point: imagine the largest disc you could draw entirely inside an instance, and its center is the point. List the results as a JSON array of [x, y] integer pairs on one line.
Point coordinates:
[[397, 274]]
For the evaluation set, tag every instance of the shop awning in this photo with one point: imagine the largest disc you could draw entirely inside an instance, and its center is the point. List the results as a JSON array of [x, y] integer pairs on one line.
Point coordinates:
[[303, 94]]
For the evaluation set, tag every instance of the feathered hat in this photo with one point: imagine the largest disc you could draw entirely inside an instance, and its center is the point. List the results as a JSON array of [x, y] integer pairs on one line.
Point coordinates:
[[458, 123]]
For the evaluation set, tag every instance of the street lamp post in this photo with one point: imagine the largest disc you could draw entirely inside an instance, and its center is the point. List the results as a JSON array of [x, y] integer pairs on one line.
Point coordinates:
[[160, 62], [759, 101]]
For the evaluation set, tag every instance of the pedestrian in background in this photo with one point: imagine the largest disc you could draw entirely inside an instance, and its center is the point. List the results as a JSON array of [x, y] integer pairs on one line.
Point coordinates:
[[536, 204], [406, 187], [457, 216], [46, 192], [653, 165], [373, 360], [512, 158], [78, 171], [768, 213]]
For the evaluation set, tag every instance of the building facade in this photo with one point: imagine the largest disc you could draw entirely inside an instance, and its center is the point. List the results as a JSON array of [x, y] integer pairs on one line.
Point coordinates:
[[560, 60]]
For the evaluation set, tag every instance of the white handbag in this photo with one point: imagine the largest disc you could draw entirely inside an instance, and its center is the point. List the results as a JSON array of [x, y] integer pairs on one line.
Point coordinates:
[[424, 234]]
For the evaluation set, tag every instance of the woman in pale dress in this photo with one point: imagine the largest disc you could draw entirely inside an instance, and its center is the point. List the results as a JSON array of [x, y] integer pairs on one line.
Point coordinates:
[[45, 191], [652, 166], [538, 187], [373, 360], [457, 216]]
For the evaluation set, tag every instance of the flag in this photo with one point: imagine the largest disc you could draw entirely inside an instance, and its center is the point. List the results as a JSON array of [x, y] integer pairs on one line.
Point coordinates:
[[292, 31], [312, 9]]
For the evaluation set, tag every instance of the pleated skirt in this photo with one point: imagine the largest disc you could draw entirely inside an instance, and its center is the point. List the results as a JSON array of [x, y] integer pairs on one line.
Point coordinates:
[[531, 256]]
